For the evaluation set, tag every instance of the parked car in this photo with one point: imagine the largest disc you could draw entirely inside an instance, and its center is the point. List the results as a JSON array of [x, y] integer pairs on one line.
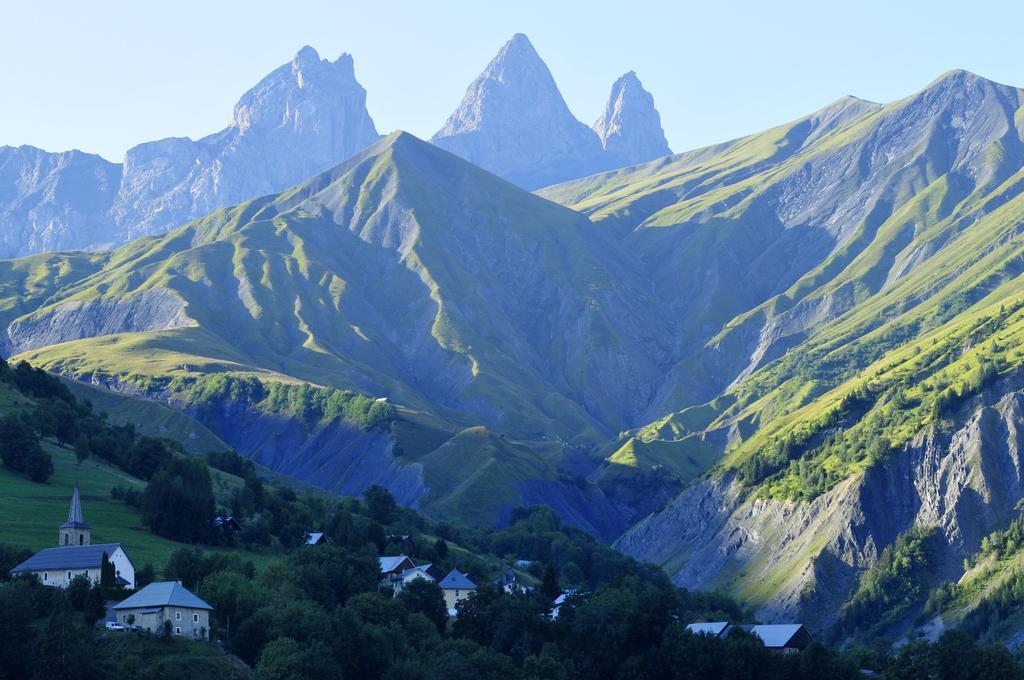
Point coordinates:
[[114, 625]]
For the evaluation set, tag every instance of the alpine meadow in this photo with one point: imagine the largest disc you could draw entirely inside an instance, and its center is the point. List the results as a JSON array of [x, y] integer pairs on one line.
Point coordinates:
[[530, 398]]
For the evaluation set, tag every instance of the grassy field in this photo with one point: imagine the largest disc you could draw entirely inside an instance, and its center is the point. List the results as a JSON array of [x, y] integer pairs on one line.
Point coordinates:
[[149, 417], [30, 513]]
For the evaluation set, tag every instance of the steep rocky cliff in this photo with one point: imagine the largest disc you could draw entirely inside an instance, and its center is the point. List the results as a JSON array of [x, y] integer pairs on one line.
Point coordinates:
[[54, 201], [303, 118], [801, 559], [630, 127], [513, 122]]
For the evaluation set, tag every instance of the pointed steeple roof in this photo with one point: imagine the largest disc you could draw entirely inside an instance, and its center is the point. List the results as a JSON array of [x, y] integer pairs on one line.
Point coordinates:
[[75, 520]]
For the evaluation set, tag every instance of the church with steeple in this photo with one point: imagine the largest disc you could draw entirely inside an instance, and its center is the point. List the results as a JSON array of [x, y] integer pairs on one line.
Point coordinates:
[[76, 555], [75, 531]]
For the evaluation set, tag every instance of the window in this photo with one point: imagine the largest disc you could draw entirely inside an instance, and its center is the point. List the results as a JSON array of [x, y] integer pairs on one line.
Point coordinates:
[[45, 576], [177, 631], [81, 539], [177, 616], [195, 618], [69, 575]]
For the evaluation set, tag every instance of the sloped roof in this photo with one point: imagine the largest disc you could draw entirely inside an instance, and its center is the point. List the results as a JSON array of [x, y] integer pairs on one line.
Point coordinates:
[[777, 635], [422, 569], [392, 562], [163, 594], [457, 580], [714, 628], [75, 520], [67, 557]]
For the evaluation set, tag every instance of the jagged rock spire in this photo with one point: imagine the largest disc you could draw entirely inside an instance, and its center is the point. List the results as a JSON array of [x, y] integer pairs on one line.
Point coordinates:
[[630, 127], [514, 122]]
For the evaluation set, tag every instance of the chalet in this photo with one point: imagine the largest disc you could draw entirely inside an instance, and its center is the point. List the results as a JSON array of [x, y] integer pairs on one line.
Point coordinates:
[[170, 601], [316, 538], [401, 580], [392, 565], [456, 587], [76, 555], [784, 636]]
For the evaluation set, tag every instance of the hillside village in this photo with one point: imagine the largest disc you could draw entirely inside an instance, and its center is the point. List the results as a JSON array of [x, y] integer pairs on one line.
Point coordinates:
[[169, 608], [360, 587]]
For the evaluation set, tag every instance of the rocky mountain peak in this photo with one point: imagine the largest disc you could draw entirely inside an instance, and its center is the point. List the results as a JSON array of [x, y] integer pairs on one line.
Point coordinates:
[[308, 80], [306, 55], [630, 127], [514, 122]]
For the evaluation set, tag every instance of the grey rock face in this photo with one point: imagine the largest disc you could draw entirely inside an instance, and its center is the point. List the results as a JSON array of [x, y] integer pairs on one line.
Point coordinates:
[[74, 319], [303, 118], [630, 127], [966, 484], [53, 201], [514, 123]]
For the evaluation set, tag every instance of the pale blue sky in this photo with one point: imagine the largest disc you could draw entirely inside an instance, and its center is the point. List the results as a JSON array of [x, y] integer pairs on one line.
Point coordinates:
[[102, 76]]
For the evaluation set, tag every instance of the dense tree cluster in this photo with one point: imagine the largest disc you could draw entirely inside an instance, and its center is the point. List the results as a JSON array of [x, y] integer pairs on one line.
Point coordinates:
[[899, 580], [208, 395], [59, 416]]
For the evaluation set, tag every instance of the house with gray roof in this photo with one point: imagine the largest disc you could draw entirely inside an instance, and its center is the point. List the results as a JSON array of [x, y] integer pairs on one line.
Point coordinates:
[[782, 636], [456, 587], [391, 565], [76, 555], [785, 636], [189, 616]]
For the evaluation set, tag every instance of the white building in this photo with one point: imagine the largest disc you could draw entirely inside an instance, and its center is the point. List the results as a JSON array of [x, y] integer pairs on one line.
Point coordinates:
[[76, 555]]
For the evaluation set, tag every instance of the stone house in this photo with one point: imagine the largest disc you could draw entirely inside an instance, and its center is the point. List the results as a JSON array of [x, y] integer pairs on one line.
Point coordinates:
[[149, 608]]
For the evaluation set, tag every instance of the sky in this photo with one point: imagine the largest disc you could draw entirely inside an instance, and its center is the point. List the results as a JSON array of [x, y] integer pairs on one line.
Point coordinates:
[[103, 76]]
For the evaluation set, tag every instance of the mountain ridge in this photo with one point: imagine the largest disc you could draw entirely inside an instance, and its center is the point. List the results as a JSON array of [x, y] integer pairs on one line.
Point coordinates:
[[758, 335], [514, 122], [302, 118]]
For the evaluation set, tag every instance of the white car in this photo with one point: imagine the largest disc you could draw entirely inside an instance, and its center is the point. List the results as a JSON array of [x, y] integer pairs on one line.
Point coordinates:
[[114, 625]]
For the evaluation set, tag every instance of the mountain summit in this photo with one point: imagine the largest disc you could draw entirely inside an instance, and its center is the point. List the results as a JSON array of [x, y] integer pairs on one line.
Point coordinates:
[[514, 122], [303, 118], [630, 127]]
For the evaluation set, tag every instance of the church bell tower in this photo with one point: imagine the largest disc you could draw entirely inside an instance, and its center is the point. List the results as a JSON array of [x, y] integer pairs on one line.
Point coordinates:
[[75, 531]]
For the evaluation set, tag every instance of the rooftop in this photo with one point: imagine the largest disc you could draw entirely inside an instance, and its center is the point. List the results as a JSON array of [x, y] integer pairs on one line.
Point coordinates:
[[781, 635], [392, 562], [67, 557], [163, 594], [75, 520], [457, 580]]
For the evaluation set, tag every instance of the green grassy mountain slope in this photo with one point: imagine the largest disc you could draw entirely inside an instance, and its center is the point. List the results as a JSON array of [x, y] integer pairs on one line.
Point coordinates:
[[404, 273], [30, 512], [876, 390], [793, 329]]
